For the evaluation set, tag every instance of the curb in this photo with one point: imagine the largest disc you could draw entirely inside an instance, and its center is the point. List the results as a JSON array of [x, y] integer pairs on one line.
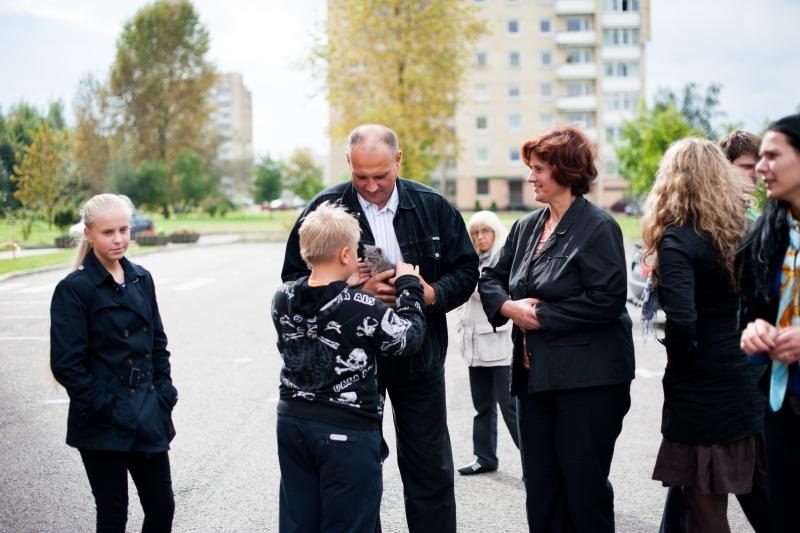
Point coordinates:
[[172, 247]]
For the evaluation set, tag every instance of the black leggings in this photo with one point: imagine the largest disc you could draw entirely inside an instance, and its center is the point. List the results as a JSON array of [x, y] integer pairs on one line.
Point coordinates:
[[108, 477]]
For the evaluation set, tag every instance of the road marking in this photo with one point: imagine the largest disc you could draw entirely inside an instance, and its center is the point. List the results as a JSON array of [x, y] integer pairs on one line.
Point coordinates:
[[34, 290], [24, 302], [193, 284], [24, 317], [242, 360], [43, 339], [57, 401], [649, 374], [9, 286]]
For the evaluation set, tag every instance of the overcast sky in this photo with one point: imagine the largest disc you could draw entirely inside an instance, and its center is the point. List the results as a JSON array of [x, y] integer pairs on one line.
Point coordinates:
[[752, 48]]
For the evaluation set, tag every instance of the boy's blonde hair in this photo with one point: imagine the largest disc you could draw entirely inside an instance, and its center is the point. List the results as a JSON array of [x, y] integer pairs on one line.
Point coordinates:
[[325, 231]]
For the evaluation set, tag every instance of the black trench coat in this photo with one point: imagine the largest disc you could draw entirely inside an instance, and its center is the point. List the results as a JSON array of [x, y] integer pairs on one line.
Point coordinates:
[[580, 276], [109, 351]]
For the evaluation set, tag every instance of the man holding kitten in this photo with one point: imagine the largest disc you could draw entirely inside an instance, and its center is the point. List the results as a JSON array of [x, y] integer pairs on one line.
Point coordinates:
[[414, 224]]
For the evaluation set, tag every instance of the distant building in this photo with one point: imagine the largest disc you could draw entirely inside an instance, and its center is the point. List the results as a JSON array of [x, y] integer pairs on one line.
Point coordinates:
[[233, 118], [543, 64]]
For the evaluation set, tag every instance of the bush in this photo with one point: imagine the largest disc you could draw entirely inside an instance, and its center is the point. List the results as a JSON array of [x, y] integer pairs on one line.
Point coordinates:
[[477, 206], [493, 207], [65, 217]]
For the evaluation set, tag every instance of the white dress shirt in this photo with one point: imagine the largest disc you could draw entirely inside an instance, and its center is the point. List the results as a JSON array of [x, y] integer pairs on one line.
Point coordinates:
[[381, 222]]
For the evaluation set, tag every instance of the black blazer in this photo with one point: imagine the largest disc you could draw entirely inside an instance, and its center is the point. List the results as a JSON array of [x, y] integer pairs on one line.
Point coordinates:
[[431, 233], [109, 351], [711, 391], [580, 276]]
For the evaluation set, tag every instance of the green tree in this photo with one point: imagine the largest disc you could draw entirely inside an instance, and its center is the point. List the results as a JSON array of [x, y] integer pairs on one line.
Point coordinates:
[[269, 180], [401, 64], [148, 186], [644, 140], [194, 183], [160, 83], [699, 110], [40, 177], [302, 175]]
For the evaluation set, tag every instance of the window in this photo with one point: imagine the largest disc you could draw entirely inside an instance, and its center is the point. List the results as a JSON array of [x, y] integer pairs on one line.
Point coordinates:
[[612, 168], [482, 156], [450, 188], [514, 121], [580, 88], [622, 5], [621, 36], [546, 90], [579, 55], [512, 27], [481, 59], [622, 69], [513, 156], [545, 58], [621, 101], [514, 92], [613, 134], [482, 186], [481, 123], [513, 59], [579, 24], [546, 120], [585, 119], [545, 26], [481, 93]]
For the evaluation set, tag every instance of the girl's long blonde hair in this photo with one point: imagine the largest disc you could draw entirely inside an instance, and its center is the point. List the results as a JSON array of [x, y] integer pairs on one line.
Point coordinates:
[[696, 184], [95, 206]]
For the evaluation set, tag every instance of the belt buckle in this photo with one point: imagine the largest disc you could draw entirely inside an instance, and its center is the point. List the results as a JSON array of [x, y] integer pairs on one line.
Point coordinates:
[[135, 377]]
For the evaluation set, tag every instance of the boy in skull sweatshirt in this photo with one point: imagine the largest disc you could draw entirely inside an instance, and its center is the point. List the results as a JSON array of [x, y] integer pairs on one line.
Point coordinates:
[[329, 412]]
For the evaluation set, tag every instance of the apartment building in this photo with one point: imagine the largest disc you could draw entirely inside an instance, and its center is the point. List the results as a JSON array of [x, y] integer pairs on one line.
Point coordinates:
[[233, 118], [545, 64]]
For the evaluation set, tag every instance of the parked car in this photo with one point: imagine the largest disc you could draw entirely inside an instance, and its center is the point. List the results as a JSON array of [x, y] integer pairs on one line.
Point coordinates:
[[637, 276]]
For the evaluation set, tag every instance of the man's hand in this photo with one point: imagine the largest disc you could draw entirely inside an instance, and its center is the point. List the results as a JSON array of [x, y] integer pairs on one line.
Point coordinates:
[[522, 312], [361, 275], [379, 285]]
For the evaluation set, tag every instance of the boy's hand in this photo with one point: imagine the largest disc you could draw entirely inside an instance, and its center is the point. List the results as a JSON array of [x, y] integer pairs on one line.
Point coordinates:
[[361, 275]]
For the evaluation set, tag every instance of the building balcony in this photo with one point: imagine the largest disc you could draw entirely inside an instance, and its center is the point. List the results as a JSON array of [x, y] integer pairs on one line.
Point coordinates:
[[576, 38], [577, 71], [575, 7], [627, 85], [577, 103], [621, 53], [616, 19]]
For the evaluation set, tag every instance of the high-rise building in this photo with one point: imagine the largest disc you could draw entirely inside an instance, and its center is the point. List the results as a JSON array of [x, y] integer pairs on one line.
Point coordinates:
[[233, 118], [545, 64]]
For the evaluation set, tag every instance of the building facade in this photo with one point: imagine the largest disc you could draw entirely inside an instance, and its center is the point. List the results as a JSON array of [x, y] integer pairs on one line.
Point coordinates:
[[546, 64], [233, 118]]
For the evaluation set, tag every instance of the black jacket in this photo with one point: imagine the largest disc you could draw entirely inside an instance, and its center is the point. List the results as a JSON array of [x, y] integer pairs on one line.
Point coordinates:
[[329, 337], [431, 233], [109, 351], [585, 337], [711, 391]]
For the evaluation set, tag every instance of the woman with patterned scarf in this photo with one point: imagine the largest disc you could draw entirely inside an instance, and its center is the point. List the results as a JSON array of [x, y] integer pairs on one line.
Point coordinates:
[[770, 309]]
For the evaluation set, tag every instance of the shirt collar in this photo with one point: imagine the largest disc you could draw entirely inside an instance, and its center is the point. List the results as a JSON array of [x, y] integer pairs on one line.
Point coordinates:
[[99, 274], [391, 205]]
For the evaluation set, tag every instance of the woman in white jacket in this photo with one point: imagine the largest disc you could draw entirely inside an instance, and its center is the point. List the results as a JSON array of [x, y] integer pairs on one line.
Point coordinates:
[[488, 353]]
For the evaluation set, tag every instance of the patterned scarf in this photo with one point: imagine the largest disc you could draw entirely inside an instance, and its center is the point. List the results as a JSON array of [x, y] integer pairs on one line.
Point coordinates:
[[788, 311]]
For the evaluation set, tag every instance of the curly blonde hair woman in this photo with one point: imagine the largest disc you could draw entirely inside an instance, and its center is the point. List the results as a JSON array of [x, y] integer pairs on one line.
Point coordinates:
[[713, 412], [696, 185]]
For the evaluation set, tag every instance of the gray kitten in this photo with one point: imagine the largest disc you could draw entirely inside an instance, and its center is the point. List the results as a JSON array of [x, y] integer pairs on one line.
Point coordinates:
[[375, 260]]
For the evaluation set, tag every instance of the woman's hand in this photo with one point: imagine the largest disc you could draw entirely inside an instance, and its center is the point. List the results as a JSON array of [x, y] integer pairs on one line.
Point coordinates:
[[522, 312], [759, 336], [787, 345]]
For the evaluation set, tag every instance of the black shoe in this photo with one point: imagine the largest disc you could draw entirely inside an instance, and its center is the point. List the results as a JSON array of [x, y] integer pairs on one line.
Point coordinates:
[[475, 468]]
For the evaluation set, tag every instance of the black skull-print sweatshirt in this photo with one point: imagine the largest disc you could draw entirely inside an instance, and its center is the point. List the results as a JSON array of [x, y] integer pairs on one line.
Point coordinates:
[[329, 338]]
